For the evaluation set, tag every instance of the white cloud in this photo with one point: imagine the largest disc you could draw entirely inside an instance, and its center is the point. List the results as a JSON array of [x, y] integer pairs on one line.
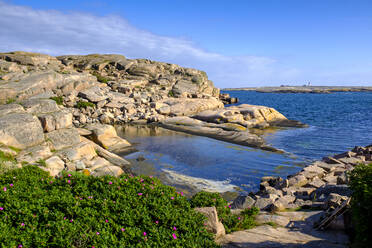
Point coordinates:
[[57, 33]]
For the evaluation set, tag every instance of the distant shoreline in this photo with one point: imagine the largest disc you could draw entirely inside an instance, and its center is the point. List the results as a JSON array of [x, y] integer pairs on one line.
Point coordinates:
[[304, 89]]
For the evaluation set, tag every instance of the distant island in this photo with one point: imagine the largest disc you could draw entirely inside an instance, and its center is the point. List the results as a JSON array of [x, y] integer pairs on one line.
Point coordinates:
[[304, 89]]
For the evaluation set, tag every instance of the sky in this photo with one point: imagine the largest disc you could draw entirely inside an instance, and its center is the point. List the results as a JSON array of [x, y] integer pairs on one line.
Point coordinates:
[[240, 43]]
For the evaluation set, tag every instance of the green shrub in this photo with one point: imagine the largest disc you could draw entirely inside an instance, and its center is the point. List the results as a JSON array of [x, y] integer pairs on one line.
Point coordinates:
[[361, 204], [41, 162], [101, 78], [58, 99], [10, 100], [170, 93], [231, 222], [81, 104], [75, 210], [5, 157]]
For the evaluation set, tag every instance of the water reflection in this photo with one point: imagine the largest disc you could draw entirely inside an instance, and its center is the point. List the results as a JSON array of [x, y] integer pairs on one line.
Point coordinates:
[[192, 163]]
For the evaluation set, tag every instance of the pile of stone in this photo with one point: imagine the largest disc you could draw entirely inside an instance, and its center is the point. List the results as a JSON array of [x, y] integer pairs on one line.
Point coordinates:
[[321, 185], [38, 131]]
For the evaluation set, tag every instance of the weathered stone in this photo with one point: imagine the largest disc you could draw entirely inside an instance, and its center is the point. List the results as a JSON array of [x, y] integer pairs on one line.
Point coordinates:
[[316, 182], [83, 150], [328, 189], [34, 154], [272, 218], [297, 181], [282, 203], [54, 165], [212, 223], [94, 94], [352, 160], [325, 166], [106, 136], [63, 138], [111, 157], [96, 163], [264, 203], [20, 130], [56, 120], [108, 170], [27, 58], [40, 106], [242, 202], [10, 108]]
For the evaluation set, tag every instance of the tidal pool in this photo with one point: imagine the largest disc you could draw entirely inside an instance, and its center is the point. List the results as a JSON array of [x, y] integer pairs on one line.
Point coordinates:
[[194, 163]]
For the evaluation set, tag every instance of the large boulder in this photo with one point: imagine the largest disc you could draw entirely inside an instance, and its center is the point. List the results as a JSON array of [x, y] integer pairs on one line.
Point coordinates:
[[63, 138], [212, 223], [106, 136], [20, 130]]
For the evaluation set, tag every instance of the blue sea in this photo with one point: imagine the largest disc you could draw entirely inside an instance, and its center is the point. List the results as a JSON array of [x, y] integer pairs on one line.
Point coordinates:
[[337, 122]]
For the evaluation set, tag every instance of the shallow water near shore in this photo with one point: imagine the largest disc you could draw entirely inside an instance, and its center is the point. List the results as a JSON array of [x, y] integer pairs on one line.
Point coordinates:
[[337, 122]]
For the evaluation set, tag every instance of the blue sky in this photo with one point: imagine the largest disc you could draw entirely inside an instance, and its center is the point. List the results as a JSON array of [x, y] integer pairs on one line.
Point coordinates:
[[238, 43]]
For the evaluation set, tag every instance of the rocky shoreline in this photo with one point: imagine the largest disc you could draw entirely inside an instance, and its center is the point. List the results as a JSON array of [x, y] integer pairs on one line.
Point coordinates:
[[58, 112], [305, 89], [50, 104]]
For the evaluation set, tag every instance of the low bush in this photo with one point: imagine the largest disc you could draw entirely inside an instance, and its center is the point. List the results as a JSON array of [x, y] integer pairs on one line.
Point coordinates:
[[231, 222], [58, 99], [81, 104], [75, 210], [101, 78], [361, 204]]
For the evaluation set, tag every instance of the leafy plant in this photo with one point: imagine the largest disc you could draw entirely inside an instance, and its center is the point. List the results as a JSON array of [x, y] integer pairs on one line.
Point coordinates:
[[76, 210], [41, 162], [361, 203], [10, 100], [170, 93], [81, 104], [231, 222], [101, 78], [58, 99]]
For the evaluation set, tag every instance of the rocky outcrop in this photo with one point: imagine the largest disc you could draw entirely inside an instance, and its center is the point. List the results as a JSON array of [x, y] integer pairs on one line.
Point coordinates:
[[287, 229], [212, 224], [40, 132], [232, 124]]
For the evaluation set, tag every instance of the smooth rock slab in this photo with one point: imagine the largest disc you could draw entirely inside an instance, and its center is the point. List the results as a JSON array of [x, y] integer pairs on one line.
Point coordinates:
[[10, 108], [20, 130], [63, 138]]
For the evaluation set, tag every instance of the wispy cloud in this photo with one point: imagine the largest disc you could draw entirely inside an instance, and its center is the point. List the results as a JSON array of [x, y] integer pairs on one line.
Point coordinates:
[[57, 33]]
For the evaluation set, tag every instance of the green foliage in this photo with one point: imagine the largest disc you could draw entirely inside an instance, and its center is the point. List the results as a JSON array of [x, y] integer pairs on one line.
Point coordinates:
[[361, 204], [170, 93], [41, 162], [101, 78], [231, 222], [10, 100], [5, 157], [75, 210], [81, 104], [58, 99]]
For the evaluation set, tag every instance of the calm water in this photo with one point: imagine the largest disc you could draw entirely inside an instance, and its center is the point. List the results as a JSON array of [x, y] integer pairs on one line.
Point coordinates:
[[337, 122]]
